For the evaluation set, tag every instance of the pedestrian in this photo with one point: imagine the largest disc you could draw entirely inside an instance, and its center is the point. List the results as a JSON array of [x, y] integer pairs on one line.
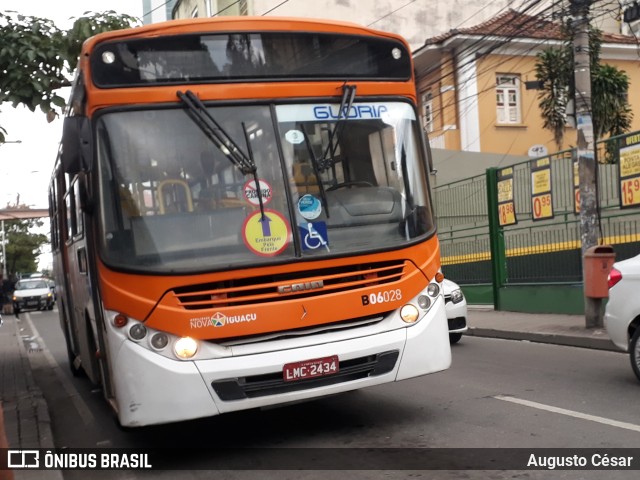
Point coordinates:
[[2, 296]]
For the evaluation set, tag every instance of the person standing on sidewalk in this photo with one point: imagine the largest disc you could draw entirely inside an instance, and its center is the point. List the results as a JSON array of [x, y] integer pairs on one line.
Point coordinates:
[[2, 297], [5, 293]]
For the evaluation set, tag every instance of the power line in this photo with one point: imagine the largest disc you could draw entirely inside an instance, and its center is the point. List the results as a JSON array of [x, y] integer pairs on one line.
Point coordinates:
[[226, 8], [490, 67], [475, 49], [391, 13], [277, 6], [157, 8]]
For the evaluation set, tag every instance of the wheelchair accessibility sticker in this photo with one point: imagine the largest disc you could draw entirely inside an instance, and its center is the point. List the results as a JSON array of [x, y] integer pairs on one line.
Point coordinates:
[[314, 235]]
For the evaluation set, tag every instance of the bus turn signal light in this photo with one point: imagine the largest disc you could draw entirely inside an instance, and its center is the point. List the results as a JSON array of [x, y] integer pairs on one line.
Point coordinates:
[[120, 320]]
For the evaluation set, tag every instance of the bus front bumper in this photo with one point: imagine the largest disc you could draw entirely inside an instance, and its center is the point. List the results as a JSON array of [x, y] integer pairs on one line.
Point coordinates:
[[152, 389]]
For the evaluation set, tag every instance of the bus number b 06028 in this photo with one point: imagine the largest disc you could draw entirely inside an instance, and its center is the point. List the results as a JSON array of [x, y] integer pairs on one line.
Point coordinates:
[[382, 297]]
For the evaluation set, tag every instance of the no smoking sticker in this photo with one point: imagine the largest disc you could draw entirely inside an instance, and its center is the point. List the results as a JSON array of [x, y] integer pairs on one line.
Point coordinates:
[[251, 192]]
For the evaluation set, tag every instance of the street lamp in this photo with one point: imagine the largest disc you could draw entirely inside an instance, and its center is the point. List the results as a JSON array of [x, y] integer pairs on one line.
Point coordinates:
[[10, 141]]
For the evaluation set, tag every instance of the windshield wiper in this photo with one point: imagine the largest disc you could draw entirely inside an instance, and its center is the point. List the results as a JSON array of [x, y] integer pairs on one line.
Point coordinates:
[[348, 95], [316, 170], [198, 112]]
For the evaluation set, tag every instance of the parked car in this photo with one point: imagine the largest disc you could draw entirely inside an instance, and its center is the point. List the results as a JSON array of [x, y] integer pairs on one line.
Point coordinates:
[[456, 307], [622, 314], [32, 294]]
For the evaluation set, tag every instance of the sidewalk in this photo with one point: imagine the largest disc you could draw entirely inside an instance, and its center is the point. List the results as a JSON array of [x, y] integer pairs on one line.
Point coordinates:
[[26, 416], [543, 328]]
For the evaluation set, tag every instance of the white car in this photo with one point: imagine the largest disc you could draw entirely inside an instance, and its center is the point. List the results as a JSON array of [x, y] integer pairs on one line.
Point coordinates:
[[622, 315], [456, 307], [32, 294]]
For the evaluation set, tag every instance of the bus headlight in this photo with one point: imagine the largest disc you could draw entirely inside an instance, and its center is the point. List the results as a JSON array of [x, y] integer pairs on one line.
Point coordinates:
[[409, 313], [433, 290], [185, 348], [159, 341], [424, 302], [137, 332]]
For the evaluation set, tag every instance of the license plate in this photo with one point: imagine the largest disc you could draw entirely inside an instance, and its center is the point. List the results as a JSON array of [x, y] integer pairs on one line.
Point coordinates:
[[318, 367]]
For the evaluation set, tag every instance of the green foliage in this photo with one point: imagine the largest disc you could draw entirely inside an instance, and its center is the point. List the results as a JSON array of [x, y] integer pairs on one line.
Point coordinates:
[[37, 58], [89, 25], [610, 110], [554, 70], [22, 246]]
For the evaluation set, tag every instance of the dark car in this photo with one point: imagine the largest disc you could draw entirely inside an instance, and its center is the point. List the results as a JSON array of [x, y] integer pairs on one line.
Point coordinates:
[[32, 294]]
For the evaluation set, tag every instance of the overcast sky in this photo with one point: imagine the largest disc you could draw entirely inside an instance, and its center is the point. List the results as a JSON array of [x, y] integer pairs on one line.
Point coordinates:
[[25, 167]]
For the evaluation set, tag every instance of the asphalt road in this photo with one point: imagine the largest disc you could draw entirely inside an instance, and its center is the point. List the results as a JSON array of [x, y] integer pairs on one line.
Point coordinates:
[[497, 394]]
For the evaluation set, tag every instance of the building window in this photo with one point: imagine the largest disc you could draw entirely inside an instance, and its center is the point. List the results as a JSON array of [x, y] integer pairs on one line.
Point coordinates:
[[427, 112], [508, 99]]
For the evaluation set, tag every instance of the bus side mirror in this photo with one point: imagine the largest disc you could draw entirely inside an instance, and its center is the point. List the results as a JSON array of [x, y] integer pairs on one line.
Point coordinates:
[[76, 145]]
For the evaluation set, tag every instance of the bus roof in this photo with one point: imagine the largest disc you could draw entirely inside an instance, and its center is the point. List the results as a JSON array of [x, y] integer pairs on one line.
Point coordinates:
[[235, 24]]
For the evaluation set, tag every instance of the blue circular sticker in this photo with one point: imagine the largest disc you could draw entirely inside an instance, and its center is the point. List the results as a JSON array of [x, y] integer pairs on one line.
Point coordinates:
[[309, 207]]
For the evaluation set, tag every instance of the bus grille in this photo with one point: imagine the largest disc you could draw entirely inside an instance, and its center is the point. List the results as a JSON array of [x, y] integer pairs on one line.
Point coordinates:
[[274, 384], [289, 286]]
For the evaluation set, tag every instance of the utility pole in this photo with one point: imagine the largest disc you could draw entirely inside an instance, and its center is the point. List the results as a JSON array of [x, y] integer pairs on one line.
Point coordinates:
[[586, 154]]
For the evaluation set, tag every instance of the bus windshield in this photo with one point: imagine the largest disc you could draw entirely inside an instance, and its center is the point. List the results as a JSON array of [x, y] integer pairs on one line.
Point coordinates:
[[330, 184]]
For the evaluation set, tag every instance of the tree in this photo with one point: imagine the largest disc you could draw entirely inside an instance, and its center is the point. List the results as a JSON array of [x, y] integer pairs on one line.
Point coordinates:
[[37, 58], [23, 247], [611, 113]]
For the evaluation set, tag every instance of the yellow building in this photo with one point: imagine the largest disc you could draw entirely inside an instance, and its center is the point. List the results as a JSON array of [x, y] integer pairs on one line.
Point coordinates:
[[477, 85]]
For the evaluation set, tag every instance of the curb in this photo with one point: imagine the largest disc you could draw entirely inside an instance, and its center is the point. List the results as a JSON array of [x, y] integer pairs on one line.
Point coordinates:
[[42, 418], [550, 338]]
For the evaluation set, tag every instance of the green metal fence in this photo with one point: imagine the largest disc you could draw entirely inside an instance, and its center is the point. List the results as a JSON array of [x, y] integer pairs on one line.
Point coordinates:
[[533, 250]]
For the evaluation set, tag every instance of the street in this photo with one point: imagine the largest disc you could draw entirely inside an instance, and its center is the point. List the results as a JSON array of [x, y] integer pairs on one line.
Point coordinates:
[[497, 394]]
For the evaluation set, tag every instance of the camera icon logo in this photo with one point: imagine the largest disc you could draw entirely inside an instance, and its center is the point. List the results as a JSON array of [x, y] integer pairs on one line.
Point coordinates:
[[23, 459]]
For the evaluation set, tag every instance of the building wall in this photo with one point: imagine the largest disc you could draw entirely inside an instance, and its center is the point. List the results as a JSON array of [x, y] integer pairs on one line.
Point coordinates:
[[454, 130], [514, 139], [416, 21], [155, 11]]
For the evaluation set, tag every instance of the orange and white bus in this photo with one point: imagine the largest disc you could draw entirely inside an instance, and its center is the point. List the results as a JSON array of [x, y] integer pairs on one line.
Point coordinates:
[[241, 217]]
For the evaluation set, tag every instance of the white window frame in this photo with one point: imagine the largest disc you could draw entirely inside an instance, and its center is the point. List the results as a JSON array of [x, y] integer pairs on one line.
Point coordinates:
[[427, 112], [508, 99]]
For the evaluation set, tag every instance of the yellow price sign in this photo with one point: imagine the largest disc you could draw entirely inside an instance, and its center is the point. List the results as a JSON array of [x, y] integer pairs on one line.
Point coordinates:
[[630, 192], [506, 214], [542, 207], [505, 190], [630, 161], [541, 181]]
